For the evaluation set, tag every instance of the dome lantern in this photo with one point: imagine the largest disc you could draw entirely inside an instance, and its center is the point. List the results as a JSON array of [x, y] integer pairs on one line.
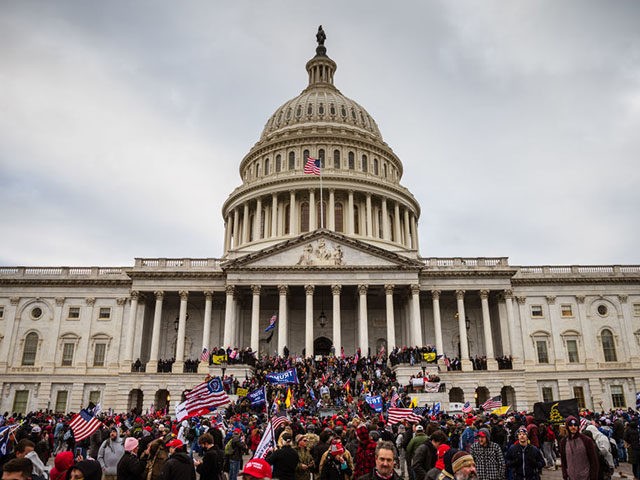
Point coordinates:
[[321, 68]]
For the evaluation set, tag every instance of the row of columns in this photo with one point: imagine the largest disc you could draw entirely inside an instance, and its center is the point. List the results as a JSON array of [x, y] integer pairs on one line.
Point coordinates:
[[237, 231], [230, 323]]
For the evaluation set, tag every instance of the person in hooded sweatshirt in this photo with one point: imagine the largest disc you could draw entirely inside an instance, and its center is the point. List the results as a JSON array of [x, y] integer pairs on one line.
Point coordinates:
[[578, 453], [488, 457], [179, 466], [130, 467], [109, 454], [61, 464], [603, 445]]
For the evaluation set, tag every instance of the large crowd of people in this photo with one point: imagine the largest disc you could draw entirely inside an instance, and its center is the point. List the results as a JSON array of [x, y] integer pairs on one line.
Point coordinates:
[[327, 430]]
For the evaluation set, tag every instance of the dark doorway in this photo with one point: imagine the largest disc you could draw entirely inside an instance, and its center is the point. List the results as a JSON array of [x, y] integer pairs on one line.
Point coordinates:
[[322, 346]]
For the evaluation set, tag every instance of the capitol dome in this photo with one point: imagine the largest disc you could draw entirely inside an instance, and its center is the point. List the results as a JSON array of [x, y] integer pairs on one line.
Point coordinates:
[[358, 193]]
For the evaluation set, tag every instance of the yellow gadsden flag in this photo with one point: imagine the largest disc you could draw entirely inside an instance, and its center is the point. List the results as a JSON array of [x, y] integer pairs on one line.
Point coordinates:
[[218, 359], [289, 398], [414, 402], [242, 392], [501, 410]]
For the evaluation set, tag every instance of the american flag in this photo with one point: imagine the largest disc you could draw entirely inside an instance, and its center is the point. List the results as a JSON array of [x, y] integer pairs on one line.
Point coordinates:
[[394, 398], [312, 166], [207, 394], [5, 432], [495, 402], [279, 419], [467, 408], [413, 415], [84, 424], [584, 423], [204, 356]]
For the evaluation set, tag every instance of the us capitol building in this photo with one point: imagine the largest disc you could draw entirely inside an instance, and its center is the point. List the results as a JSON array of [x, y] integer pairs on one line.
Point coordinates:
[[337, 259]]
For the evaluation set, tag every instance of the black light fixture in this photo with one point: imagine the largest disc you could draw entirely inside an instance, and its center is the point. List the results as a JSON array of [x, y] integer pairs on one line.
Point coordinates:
[[322, 318], [467, 323], [176, 322]]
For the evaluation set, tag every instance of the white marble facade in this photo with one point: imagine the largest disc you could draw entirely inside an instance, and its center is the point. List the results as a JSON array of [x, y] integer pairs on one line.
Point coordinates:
[[69, 336]]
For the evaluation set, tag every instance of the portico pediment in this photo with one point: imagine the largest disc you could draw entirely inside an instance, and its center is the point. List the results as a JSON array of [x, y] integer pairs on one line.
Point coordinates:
[[322, 249]]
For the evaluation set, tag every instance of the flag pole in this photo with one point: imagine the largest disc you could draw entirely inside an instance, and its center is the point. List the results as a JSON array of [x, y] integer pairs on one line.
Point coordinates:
[[321, 200]]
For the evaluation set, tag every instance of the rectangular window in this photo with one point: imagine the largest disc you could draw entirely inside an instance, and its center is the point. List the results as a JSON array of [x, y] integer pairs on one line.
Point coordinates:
[[636, 309], [578, 393], [572, 351], [566, 310], [74, 313], [1, 312], [99, 354], [617, 396], [547, 394], [536, 311], [543, 354], [94, 397], [61, 401], [105, 313], [67, 354], [20, 401]]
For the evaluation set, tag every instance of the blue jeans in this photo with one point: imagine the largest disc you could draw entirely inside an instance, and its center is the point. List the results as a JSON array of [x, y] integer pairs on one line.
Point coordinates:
[[234, 468]]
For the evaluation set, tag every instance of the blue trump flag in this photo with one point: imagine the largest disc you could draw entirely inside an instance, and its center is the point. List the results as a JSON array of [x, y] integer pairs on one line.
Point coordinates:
[[374, 402], [257, 397], [272, 323], [282, 378], [436, 408]]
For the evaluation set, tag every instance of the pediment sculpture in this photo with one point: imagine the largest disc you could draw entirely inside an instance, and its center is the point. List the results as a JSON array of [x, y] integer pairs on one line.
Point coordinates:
[[321, 255]]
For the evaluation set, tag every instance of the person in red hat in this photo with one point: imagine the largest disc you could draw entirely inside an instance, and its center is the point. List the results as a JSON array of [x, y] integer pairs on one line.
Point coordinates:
[[256, 469], [179, 466], [335, 464]]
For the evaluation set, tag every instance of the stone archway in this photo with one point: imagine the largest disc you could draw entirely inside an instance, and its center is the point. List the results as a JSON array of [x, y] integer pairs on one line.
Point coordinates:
[[456, 395], [508, 394], [322, 346], [134, 404], [162, 399], [482, 395]]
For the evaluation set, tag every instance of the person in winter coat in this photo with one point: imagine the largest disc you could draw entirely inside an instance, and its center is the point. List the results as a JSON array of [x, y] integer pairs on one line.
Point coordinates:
[[384, 462], [61, 463], [86, 469], [603, 445], [632, 439], [109, 455], [210, 467], [284, 460], [418, 439], [426, 455], [305, 465], [335, 465], [155, 455], [366, 453], [130, 467], [578, 453], [523, 459], [488, 457], [179, 466]]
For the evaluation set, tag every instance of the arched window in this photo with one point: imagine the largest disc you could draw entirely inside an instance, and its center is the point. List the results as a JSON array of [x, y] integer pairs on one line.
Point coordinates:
[[292, 161], [321, 157], [608, 346], [339, 214], [258, 170], [356, 220], [352, 161], [391, 230], [305, 156], [30, 349], [384, 170], [375, 166], [304, 217], [336, 159], [266, 166], [365, 163], [278, 163]]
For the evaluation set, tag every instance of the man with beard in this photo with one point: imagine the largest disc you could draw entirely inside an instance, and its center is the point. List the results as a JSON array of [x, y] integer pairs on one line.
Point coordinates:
[[385, 456], [523, 459], [464, 467], [578, 453], [210, 467], [488, 457]]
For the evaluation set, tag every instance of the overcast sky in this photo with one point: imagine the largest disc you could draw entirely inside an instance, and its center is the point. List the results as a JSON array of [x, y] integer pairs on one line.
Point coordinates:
[[122, 123]]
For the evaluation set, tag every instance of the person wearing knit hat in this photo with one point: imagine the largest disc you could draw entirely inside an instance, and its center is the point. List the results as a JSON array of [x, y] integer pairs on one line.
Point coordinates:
[[130, 466], [464, 467], [578, 453], [488, 457], [305, 465], [525, 461]]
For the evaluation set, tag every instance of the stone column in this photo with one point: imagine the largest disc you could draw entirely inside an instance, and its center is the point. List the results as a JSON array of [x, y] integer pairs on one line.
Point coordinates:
[[492, 364], [386, 234], [283, 327], [462, 329], [313, 223], [257, 233], [178, 365], [363, 321], [337, 325], [414, 232], [417, 321], [255, 318], [556, 339], [308, 332], [227, 234], [203, 367], [131, 330], [332, 210], [293, 218], [245, 223], [514, 342], [437, 322], [588, 335], [369, 225], [391, 322], [6, 358], [396, 223], [350, 214], [274, 215], [407, 233], [530, 355], [228, 317], [236, 221], [152, 365]]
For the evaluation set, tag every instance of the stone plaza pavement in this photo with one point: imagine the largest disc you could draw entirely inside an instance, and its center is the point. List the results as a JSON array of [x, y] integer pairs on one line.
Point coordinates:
[[623, 471]]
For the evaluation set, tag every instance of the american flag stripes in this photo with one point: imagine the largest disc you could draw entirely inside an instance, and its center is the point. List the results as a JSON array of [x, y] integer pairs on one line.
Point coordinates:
[[312, 166], [204, 356], [206, 395], [495, 402], [467, 408], [279, 419], [412, 415], [83, 425], [394, 398]]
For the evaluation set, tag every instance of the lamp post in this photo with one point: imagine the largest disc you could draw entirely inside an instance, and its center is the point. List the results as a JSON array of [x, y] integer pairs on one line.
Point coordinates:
[[223, 366]]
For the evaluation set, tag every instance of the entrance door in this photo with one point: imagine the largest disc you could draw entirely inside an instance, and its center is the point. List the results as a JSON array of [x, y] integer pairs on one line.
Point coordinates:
[[322, 346]]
